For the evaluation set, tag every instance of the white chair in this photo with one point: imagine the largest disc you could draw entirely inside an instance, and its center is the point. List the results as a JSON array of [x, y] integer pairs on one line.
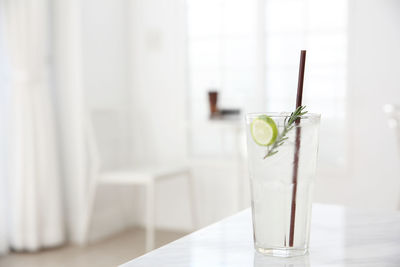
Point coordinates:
[[393, 115], [145, 176]]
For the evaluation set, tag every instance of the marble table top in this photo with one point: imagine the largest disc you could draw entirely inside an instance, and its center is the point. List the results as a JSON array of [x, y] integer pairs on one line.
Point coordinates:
[[339, 237]]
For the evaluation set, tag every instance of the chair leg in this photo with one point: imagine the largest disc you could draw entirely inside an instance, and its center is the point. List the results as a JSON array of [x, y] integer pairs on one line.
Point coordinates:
[[192, 199], [88, 214], [150, 210]]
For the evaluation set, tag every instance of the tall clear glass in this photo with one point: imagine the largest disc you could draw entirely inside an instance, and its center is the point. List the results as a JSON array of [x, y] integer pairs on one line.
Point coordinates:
[[282, 186]]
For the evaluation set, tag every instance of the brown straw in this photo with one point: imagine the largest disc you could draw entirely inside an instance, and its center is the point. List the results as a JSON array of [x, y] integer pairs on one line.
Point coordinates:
[[297, 149]]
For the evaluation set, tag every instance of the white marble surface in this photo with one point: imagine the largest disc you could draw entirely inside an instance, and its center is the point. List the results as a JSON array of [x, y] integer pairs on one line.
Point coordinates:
[[339, 237]]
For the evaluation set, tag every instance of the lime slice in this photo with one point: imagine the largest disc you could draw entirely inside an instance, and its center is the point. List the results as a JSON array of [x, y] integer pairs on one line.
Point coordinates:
[[263, 130]]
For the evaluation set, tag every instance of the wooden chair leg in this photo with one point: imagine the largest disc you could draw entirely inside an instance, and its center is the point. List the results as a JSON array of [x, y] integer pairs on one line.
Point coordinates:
[[150, 212]]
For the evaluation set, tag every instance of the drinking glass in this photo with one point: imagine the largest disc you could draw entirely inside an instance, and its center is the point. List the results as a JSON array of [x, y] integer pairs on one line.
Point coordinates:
[[282, 185]]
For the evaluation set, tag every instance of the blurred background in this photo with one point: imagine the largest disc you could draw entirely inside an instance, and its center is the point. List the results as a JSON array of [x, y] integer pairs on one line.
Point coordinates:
[[101, 100]]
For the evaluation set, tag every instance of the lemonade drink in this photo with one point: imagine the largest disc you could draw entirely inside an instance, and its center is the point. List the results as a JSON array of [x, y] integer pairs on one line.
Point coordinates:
[[272, 184]]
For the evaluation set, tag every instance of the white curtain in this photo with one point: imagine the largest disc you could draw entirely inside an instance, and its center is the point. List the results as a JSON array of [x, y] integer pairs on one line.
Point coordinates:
[[33, 208], [4, 96]]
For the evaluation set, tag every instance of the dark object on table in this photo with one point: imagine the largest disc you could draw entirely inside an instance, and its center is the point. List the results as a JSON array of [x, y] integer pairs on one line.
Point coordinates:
[[226, 114], [213, 99]]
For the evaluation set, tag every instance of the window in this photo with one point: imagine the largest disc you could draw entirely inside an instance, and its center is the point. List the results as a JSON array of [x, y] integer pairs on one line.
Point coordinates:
[[249, 51]]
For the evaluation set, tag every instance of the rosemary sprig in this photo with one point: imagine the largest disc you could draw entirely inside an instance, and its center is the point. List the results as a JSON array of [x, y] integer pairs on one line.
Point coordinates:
[[288, 125]]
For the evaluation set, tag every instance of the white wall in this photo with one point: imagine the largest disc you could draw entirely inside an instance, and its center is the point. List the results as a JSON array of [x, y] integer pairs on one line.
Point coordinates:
[[374, 81], [158, 79], [105, 51], [105, 54], [373, 176], [159, 106], [158, 91]]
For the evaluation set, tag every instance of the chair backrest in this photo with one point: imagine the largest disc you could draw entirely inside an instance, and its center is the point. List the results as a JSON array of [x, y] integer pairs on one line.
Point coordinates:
[[95, 118], [108, 138]]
